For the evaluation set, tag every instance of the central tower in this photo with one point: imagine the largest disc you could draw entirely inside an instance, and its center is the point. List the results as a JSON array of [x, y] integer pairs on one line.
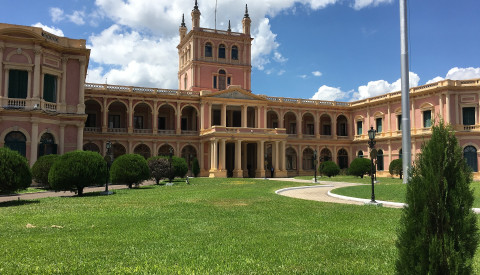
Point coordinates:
[[212, 59]]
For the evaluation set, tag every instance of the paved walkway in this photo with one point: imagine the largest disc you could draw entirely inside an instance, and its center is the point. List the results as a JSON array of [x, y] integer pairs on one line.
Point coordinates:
[[46, 194]]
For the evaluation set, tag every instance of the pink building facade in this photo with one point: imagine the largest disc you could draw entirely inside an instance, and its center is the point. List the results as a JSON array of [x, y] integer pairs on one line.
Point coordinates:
[[214, 116]]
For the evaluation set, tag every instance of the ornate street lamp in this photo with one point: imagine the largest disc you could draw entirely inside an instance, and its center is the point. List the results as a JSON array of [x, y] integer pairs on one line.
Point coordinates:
[[371, 143], [170, 155], [315, 163], [109, 160]]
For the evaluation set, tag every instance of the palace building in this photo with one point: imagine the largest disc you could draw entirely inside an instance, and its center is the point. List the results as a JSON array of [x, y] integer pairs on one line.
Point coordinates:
[[46, 107]]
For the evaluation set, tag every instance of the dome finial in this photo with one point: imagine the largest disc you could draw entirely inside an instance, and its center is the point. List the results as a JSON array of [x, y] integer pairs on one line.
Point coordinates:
[[246, 11], [183, 21], [229, 27], [196, 5]]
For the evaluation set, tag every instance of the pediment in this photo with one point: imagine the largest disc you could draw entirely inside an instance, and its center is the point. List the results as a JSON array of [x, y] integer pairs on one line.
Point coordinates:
[[236, 93]]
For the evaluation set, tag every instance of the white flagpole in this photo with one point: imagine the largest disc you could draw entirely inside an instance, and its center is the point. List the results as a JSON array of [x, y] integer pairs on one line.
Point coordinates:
[[406, 139]]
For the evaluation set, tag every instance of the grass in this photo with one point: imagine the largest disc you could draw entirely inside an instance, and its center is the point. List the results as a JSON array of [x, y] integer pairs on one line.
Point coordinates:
[[28, 190], [228, 226]]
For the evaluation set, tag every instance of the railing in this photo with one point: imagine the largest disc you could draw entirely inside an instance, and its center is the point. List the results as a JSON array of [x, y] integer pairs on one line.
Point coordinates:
[[471, 127], [245, 131], [189, 133], [92, 129], [343, 137], [143, 131], [326, 137], [166, 132], [119, 88], [308, 136], [50, 106], [17, 103], [117, 130]]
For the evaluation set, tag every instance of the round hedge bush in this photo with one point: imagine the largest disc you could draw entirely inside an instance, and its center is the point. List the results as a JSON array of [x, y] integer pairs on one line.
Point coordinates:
[[396, 167], [180, 167], [41, 168], [195, 167], [76, 170], [15, 172], [329, 169], [359, 167], [129, 169], [159, 168]]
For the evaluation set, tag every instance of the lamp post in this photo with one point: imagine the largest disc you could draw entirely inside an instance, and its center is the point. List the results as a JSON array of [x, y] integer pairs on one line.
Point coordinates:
[[170, 155], [265, 165], [109, 160], [371, 143], [315, 163]]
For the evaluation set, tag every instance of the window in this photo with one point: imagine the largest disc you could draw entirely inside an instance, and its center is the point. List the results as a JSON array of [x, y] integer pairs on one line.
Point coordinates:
[[208, 50], [184, 123], [113, 121], [162, 123], [380, 160], [222, 80], [359, 128], [138, 122], [310, 129], [468, 115], [50, 88], [229, 80], [327, 130], [293, 128], [185, 82], [379, 125], [214, 81], [47, 145], [470, 156], [17, 84], [217, 117], [427, 118], [342, 159], [17, 142], [221, 51], [235, 53], [91, 120], [360, 154], [399, 122]]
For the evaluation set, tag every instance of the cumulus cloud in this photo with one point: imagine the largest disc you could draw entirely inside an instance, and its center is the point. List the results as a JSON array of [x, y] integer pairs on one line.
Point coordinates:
[[329, 93], [53, 30], [360, 4], [317, 73], [56, 14], [379, 87], [77, 17], [459, 74]]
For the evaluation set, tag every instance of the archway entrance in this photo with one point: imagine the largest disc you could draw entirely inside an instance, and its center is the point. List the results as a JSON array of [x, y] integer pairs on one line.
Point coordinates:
[[230, 158], [251, 159], [17, 141]]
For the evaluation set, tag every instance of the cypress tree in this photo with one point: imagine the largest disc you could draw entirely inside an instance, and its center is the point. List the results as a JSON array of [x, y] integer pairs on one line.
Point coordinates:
[[438, 232]]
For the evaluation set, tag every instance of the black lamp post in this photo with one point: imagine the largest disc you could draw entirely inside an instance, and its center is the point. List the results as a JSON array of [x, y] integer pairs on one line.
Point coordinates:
[[170, 155], [371, 143], [315, 164], [109, 159]]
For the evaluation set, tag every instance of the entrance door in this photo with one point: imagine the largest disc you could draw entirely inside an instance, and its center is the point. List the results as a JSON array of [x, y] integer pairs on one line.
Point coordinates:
[[230, 158]]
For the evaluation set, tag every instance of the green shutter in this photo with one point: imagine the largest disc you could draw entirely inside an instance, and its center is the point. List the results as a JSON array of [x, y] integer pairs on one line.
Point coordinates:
[[50, 88], [468, 116], [17, 84]]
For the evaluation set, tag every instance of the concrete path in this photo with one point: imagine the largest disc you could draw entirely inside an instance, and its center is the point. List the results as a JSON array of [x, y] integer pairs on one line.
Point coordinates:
[[46, 194]]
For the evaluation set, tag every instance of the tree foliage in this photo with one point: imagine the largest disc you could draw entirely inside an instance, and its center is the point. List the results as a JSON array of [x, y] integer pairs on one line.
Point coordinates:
[[179, 166], [329, 169], [129, 169], [195, 167], [76, 170], [359, 167], [396, 167], [438, 233], [159, 168], [15, 172], [41, 168]]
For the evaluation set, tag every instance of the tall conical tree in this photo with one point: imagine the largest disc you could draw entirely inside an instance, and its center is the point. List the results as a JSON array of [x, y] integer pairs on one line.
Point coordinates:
[[438, 232]]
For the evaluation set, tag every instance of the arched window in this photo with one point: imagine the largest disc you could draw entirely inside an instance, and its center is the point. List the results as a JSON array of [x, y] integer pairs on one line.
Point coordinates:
[[380, 160], [91, 147], [342, 159], [47, 145], [221, 51], [142, 150], [360, 154], [470, 156], [234, 53], [222, 80], [118, 150], [208, 50], [291, 157], [16, 141], [325, 155]]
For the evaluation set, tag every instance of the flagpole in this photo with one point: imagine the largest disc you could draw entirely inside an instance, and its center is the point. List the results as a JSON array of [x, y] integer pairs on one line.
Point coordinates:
[[406, 138], [216, 14]]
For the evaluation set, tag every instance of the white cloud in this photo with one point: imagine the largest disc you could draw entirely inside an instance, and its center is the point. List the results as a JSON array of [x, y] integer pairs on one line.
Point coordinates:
[[329, 93], [303, 76], [281, 72], [458, 74], [379, 87], [53, 30], [317, 73], [77, 17], [360, 4], [56, 14]]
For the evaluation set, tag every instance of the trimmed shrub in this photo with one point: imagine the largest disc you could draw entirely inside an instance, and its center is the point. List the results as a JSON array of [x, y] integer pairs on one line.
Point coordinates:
[[76, 170], [129, 169], [180, 167], [159, 168], [329, 169], [195, 167], [41, 168], [15, 172], [359, 167], [396, 167], [438, 231]]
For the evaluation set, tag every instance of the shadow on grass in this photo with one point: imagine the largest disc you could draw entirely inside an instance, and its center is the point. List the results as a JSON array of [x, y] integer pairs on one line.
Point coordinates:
[[17, 203]]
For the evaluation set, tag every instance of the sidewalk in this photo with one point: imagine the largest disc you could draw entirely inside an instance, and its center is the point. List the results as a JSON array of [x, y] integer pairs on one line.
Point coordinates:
[[47, 194]]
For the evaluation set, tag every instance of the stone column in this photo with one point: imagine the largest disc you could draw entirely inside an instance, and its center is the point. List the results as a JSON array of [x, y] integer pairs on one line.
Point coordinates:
[[224, 115], [447, 102], [179, 119], [130, 114], [63, 92], [209, 120], [283, 155], [213, 155], [457, 110], [34, 144], [202, 116], [244, 116], [260, 159], [201, 157], [389, 120], [80, 136], [300, 158], [2, 47], [244, 160], [316, 126], [276, 155], [299, 126], [334, 126], [281, 121], [105, 116], [81, 88], [221, 153], [238, 173], [412, 115], [440, 103], [36, 74], [61, 145], [155, 117]]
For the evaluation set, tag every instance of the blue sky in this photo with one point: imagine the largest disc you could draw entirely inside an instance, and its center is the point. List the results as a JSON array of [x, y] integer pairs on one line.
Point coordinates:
[[326, 49]]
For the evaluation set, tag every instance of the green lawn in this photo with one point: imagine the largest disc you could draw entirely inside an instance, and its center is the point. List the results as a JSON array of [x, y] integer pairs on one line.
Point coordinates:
[[228, 226], [28, 190]]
